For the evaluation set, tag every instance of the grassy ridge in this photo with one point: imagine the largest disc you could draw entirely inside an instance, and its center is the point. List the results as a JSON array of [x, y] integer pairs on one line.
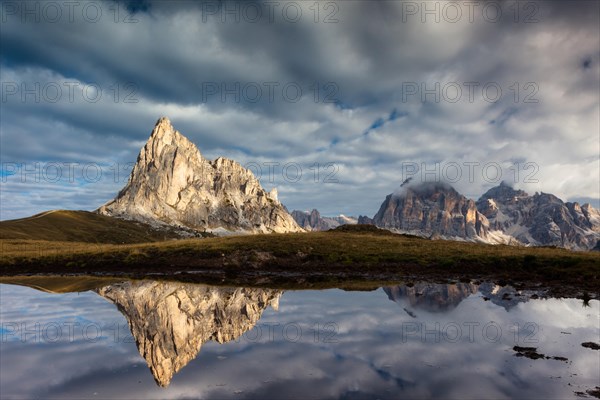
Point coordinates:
[[345, 253], [80, 226]]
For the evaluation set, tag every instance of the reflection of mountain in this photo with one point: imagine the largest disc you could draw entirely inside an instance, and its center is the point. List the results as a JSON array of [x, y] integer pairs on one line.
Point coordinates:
[[170, 321], [504, 296], [431, 296], [436, 297]]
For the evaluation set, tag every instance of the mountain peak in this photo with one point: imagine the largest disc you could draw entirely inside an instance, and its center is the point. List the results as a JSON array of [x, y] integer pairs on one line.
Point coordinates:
[[164, 131], [503, 192], [164, 121], [425, 189], [541, 219], [172, 184], [431, 207]]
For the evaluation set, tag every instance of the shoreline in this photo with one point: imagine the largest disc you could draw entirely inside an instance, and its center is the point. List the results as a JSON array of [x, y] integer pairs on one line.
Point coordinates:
[[349, 282], [318, 259]]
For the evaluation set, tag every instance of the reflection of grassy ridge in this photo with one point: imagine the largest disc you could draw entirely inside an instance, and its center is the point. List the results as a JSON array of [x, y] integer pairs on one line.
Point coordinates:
[[350, 252], [60, 284], [80, 226], [67, 284]]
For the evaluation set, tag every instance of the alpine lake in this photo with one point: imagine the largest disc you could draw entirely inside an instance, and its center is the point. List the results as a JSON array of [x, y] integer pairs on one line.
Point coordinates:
[[134, 339]]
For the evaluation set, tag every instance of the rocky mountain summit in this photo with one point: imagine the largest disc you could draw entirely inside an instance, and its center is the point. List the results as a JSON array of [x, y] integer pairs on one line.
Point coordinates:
[[502, 215], [173, 184], [541, 219], [364, 220], [171, 321], [431, 210], [313, 221]]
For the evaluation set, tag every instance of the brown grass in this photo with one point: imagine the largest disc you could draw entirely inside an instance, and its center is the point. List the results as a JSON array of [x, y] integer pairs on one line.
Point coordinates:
[[372, 254], [81, 226]]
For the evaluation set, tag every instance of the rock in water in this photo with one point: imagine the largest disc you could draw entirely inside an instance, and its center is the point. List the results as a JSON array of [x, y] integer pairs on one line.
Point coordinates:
[[170, 321], [173, 184]]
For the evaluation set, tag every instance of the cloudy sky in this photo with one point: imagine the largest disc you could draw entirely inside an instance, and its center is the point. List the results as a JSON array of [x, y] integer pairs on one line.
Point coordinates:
[[333, 103]]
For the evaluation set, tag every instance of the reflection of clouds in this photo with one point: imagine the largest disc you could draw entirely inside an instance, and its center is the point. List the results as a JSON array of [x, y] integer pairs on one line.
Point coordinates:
[[42, 369], [51, 364], [369, 358]]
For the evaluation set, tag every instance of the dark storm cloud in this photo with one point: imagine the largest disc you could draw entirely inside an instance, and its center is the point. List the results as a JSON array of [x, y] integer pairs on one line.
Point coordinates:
[[193, 62]]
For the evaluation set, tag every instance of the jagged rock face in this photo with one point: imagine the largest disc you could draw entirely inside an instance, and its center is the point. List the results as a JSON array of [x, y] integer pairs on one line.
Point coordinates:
[[432, 209], [313, 221], [501, 215], [172, 183], [432, 297], [541, 219], [170, 321], [305, 220], [364, 220]]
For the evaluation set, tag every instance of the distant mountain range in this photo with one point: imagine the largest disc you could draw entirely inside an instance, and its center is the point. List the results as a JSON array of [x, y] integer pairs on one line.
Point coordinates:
[[173, 191], [502, 215], [313, 221], [541, 219], [173, 185], [432, 210]]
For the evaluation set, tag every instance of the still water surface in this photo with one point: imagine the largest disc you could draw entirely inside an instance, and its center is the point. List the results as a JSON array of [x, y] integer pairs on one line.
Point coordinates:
[[149, 339]]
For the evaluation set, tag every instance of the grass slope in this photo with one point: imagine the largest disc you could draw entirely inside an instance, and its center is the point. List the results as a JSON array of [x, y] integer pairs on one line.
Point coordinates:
[[80, 226], [349, 253]]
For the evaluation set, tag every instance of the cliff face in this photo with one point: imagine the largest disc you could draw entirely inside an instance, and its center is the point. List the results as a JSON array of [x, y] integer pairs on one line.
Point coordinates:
[[432, 210], [172, 183], [541, 219], [501, 215], [170, 321], [364, 220], [313, 221]]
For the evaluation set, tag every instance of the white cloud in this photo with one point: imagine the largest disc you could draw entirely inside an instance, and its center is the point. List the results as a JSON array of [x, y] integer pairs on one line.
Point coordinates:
[[369, 58]]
